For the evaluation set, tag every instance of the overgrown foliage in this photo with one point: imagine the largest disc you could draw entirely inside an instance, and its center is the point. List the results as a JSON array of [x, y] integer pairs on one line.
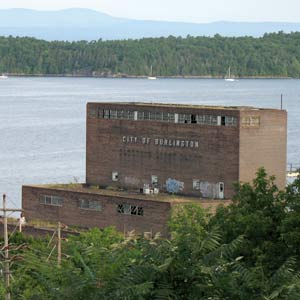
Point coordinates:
[[276, 54], [248, 250]]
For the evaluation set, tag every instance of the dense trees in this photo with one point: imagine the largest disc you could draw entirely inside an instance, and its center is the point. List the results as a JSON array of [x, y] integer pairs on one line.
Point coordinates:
[[276, 54], [248, 250]]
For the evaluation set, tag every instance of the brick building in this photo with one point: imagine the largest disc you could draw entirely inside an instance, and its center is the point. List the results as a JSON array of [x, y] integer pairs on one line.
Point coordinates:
[[193, 152]]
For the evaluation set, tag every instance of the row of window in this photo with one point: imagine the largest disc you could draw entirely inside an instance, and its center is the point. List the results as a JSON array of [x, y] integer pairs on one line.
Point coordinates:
[[126, 209], [90, 204], [51, 200], [168, 117], [250, 121]]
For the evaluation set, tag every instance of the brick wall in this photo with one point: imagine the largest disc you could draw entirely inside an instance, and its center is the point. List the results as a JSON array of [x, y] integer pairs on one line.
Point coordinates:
[[156, 214], [264, 146], [215, 160]]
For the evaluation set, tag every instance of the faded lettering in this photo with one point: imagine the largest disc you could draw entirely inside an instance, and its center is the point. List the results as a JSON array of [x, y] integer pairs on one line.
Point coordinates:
[[165, 142]]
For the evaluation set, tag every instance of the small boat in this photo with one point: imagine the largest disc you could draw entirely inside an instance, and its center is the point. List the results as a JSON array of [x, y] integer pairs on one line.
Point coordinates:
[[293, 174], [151, 77], [228, 76], [3, 76]]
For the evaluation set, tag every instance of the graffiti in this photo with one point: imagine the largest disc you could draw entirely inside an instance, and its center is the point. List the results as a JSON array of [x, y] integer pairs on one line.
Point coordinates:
[[209, 190], [174, 186]]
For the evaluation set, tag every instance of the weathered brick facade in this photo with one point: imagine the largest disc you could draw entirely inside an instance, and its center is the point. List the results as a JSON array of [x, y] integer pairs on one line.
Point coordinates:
[[264, 145], [156, 208], [192, 151], [137, 149]]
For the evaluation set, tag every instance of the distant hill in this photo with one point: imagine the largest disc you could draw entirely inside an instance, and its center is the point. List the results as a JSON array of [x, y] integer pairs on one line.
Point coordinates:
[[85, 24]]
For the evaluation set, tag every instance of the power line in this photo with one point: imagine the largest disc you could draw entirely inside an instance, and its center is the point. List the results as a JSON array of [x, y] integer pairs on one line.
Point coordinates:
[[6, 247]]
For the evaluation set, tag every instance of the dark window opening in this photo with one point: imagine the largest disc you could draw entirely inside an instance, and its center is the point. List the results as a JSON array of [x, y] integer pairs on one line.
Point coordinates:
[[128, 209], [193, 119], [223, 121], [106, 114]]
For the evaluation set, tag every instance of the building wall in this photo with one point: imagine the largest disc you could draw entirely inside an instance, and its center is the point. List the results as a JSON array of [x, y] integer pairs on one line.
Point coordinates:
[[263, 144], [155, 217], [128, 148]]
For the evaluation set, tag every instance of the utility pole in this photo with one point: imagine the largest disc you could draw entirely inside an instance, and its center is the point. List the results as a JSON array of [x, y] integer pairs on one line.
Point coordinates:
[[59, 244], [6, 246]]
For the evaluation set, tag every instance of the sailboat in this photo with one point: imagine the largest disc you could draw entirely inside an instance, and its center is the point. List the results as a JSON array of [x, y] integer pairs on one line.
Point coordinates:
[[228, 76], [3, 76], [151, 77]]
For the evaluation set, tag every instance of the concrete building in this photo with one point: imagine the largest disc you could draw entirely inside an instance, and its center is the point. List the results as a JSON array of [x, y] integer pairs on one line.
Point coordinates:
[[141, 159]]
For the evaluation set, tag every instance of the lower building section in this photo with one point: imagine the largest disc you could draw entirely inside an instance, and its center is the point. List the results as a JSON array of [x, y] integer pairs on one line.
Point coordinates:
[[76, 205]]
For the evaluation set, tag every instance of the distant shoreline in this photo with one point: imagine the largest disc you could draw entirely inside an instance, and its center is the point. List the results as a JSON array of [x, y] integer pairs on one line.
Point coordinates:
[[118, 76]]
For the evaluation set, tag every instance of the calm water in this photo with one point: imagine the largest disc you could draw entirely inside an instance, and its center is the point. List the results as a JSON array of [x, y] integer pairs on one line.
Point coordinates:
[[42, 120]]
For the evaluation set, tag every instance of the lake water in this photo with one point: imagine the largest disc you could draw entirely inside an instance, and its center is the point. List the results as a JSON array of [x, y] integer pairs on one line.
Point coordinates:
[[42, 120]]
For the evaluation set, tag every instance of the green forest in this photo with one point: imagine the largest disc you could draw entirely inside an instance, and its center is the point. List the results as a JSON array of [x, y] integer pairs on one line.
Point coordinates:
[[248, 250], [273, 55]]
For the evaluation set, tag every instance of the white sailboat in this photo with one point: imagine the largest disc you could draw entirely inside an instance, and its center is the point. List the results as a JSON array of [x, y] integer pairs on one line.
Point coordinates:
[[151, 77], [228, 76], [3, 76]]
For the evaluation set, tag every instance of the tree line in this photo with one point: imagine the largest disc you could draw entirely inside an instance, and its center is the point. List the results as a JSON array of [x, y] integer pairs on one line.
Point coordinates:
[[273, 55], [248, 250]]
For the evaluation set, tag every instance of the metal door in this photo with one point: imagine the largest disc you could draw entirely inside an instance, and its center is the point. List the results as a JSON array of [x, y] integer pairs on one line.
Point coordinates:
[[221, 190]]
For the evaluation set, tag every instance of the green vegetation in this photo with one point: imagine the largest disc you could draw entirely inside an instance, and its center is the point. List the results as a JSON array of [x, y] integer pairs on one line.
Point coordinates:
[[248, 250], [273, 55]]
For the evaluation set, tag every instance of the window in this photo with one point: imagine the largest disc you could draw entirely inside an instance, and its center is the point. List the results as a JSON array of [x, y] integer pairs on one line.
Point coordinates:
[[92, 113], [223, 123], [196, 184], [120, 114], [193, 119], [105, 113], [154, 180], [90, 204], [115, 176], [140, 115], [174, 118], [113, 114], [207, 119], [140, 211], [128, 209], [184, 118], [251, 121], [158, 116], [201, 119], [171, 117], [152, 116], [165, 117], [134, 209], [130, 115], [125, 114], [230, 121], [51, 200]]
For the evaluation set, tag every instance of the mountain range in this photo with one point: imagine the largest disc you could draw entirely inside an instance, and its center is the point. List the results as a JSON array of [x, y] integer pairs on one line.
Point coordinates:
[[85, 24]]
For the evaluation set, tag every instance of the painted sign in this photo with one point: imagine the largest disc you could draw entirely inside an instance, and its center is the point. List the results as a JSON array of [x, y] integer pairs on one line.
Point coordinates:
[[165, 142]]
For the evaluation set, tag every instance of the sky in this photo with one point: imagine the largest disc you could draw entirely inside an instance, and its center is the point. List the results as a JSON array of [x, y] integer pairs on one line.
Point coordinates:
[[199, 11]]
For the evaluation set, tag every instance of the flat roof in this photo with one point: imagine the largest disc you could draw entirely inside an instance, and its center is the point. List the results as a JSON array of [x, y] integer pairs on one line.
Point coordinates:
[[160, 197], [175, 105]]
